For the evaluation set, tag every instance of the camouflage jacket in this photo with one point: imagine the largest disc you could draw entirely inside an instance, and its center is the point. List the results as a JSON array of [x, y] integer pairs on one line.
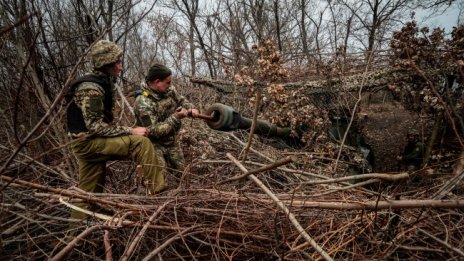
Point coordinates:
[[156, 111], [89, 98], [413, 153]]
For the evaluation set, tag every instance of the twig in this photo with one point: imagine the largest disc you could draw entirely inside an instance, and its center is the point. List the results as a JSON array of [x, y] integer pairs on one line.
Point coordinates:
[[21, 20], [442, 242], [451, 183], [32, 160], [360, 90], [284, 208], [74, 242], [255, 151], [167, 242], [274, 165], [384, 176], [57, 100], [439, 97], [108, 252], [357, 185], [65, 192], [128, 251], [94, 214], [253, 126], [376, 205]]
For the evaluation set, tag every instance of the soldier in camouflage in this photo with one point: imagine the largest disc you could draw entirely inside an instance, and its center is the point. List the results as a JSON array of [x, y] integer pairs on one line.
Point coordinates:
[[160, 108], [96, 139], [413, 153]]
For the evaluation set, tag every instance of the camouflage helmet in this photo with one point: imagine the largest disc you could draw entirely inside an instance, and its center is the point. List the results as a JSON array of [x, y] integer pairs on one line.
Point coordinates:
[[104, 52]]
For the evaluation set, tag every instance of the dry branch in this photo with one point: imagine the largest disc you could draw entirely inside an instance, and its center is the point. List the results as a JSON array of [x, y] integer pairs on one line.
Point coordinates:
[[76, 240], [274, 165], [284, 208], [459, 251], [128, 251], [383, 176], [451, 183], [168, 242], [377, 205]]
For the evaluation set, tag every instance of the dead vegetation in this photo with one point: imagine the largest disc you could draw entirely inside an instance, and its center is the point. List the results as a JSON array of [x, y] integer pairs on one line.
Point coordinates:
[[200, 218], [221, 208]]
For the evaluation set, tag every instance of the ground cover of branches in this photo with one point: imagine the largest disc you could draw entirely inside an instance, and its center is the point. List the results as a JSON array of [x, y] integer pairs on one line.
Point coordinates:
[[206, 214], [243, 197]]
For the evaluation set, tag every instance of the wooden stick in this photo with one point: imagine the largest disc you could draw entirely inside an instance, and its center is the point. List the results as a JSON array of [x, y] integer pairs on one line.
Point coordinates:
[[384, 176], [94, 214], [459, 251], [128, 251], [243, 155], [65, 192], [74, 242], [108, 252], [167, 242], [274, 165], [292, 218], [376, 205], [451, 183], [357, 185]]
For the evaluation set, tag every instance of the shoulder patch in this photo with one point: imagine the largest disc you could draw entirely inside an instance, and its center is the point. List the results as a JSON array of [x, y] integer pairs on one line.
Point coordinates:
[[145, 93]]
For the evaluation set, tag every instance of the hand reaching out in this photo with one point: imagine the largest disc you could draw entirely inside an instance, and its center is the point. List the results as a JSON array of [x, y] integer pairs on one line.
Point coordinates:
[[140, 131]]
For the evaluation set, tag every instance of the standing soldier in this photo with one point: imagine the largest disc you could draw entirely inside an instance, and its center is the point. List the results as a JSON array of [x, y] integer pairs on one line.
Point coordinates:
[[96, 139], [160, 108], [413, 153]]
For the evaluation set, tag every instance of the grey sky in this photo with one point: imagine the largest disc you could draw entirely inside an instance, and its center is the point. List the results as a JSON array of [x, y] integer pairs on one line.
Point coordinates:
[[446, 20]]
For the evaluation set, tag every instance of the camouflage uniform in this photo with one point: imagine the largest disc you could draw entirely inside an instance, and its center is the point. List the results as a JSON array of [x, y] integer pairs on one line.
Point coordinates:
[[156, 111], [96, 139], [413, 155]]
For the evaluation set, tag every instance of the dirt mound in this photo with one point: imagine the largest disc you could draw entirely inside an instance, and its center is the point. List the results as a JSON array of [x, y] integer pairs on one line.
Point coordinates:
[[385, 128]]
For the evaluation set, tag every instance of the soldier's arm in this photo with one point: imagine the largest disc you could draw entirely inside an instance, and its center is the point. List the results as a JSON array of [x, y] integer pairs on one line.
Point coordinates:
[[415, 154], [147, 117], [89, 98], [182, 101]]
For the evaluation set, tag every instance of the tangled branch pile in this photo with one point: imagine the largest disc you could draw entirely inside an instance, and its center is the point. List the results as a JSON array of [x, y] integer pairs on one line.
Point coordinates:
[[212, 216], [213, 210]]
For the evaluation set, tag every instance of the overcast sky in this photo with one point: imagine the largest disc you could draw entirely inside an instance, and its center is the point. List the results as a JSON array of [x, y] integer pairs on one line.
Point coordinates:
[[446, 20]]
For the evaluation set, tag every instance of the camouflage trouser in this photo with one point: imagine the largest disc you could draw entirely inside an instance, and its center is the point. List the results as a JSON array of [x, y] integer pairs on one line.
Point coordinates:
[[93, 154], [170, 157]]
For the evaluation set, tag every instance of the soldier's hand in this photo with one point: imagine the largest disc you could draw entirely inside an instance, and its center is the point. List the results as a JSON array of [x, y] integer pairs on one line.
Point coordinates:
[[181, 113], [140, 131], [399, 158], [194, 112]]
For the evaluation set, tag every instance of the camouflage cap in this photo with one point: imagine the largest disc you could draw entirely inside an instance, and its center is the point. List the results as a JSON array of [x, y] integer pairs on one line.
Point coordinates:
[[157, 72], [104, 52]]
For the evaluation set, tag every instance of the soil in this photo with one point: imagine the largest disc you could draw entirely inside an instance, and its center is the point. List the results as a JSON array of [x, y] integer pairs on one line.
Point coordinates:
[[385, 129]]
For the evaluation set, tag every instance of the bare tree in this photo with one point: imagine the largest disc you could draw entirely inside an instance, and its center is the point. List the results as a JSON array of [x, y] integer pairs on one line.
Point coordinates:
[[190, 10]]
